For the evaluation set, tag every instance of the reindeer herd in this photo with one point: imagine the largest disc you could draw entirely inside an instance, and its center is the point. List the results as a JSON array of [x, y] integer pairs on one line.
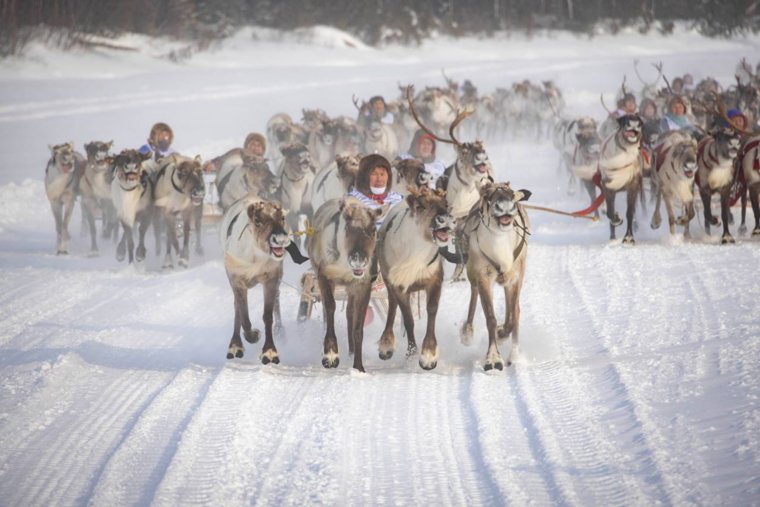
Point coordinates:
[[266, 212], [715, 154]]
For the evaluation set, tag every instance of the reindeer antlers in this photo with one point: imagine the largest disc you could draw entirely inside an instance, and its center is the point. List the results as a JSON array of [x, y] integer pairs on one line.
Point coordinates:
[[721, 110], [460, 116], [656, 66]]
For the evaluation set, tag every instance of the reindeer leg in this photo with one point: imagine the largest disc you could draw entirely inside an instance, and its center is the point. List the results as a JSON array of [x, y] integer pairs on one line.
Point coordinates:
[[671, 215], [57, 208], [406, 312], [171, 239], [465, 335], [350, 318], [429, 354], [184, 258], [68, 210], [361, 302], [388, 340], [630, 212], [158, 215], [705, 195], [755, 199], [656, 216], [121, 248], [512, 304], [609, 197], [240, 293], [145, 220], [269, 352], [88, 210], [330, 358], [493, 357], [743, 226], [689, 215], [725, 212], [198, 214], [130, 244]]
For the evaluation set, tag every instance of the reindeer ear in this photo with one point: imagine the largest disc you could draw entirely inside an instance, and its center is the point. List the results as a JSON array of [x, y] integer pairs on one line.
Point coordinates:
[[410, 199], [145, 156], [522, 195], [110, 144], [486, 187]]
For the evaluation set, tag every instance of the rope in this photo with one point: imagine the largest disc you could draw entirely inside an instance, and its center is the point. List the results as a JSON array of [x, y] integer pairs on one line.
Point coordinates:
[[308, 230], [577, 214]]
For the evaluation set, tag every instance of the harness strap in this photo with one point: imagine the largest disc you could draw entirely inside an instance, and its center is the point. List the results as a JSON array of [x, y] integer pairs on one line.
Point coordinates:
[[223, 182]]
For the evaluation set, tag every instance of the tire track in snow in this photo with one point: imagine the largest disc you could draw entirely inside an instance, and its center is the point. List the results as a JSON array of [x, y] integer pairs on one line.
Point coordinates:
[[132, 472]]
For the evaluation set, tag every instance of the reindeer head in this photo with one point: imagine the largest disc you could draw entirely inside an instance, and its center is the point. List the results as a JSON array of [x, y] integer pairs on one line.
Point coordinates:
[[348, 168], [327, 131], [358, 234], [313, 118], [189, 179], [430, 211], [412, 172], [298, 159], [63, 157], [498, 204], [127, 167], [269, 232], [97, 151], [630, 128], [260, 179], [686, 153]]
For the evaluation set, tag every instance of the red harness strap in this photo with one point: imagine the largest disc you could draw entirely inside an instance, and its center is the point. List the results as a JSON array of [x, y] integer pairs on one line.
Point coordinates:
[[659, 156]]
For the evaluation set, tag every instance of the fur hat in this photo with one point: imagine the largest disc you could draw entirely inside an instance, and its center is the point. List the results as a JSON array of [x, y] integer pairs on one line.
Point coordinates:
[[366, 165], [419, 135], [156, 129], [255, 136], [377, 98], [676, 99]]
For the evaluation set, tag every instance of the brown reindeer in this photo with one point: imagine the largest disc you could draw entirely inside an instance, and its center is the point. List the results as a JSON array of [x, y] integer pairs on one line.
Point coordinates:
[[620, 170], [62, 176], [95, 191], [675, 164], [341, 252], [254, 239], [178, 190], [241, 174], [335, 180], [409, 241], [410, 173], [495, 235], [132, 194]]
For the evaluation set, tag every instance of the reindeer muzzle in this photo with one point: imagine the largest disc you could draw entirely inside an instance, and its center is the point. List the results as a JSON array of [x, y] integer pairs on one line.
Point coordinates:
[[277, 244], [197, 196], [442, 226], [632, 135], [425, 179], [504, 212], [689, 169], [358, 262]]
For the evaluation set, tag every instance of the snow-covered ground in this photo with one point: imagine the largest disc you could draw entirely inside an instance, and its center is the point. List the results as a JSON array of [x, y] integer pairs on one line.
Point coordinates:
[[638, 382]]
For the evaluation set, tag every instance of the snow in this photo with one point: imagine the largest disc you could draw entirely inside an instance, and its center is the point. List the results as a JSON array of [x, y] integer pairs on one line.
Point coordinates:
[[637, 382]]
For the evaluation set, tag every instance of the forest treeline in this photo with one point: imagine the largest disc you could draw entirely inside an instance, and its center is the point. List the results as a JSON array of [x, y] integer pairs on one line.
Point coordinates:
[[374, 21]]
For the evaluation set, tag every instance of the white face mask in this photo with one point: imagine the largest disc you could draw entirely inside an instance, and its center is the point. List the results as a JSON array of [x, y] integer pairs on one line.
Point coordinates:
[[377, 190]]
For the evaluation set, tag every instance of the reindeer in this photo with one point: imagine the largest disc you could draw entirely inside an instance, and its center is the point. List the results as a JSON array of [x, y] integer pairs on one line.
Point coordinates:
[[341, 252], [381, 138], [495, 236], [240, 174], [649, 90], [408, 254], [254, 239], [62, 176], [281, 131], [132, 195], [95, 190], [335, 180], [716, 171], [620, 170], [462, 179], [178, 190], [410, 173], [296, 179], [584, 161], [349, 136], [749, 178], [675, 164], [322, 141]]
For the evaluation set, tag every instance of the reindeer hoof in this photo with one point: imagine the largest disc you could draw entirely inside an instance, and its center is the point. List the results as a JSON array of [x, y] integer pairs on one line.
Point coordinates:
[[715, 221], [252, 336], [183, 263], [655, 224], [616, 221], [270, 356], [756, 231], [234, 352], [411, 350], [385, 355], [428, 366], [628, 240], [331, 361], [727, 240]]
